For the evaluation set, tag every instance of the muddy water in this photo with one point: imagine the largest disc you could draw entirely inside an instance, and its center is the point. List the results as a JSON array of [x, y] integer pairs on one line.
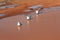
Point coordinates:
[[45, 26]]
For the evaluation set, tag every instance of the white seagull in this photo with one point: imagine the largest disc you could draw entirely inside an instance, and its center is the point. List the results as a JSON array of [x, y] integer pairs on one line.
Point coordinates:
[[19, 24]]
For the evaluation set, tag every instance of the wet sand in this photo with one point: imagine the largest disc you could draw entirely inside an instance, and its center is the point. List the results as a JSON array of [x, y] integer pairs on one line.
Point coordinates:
[[45, 26]]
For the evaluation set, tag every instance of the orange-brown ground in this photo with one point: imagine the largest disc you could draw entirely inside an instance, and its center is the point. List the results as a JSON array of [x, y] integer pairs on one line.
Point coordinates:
[[26, 3]]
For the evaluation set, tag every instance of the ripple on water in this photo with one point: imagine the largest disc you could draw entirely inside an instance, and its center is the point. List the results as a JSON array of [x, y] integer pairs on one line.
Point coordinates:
[[1, 15]]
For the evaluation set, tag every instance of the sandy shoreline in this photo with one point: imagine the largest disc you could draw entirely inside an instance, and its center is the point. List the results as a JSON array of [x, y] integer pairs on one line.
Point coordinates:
[[25, 4]]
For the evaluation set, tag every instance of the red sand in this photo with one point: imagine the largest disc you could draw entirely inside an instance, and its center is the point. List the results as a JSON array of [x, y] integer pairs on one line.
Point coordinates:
[[26, 3]]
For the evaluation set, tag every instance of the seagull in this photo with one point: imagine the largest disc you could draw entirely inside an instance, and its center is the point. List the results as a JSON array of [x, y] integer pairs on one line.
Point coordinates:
[[19, 24], [28, 17], [37, 11]]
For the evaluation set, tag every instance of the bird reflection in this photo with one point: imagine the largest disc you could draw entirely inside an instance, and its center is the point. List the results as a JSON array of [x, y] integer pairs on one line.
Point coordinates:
[[37, 15], [28, 25], [19, 28], [28, 22], [37, 18]]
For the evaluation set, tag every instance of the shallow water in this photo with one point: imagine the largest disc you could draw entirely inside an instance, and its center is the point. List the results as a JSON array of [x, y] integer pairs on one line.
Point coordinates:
[[44, 26], [2, 15]]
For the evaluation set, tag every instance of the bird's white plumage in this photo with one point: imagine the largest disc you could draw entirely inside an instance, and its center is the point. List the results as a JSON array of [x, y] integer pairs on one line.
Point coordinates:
[[28, 17], [18, 24], [37, 11]]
